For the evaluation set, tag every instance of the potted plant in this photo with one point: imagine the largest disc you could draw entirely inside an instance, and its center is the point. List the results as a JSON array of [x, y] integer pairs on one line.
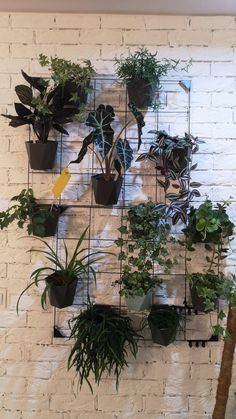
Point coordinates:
[[164, 322], [205, 290], [41, 219], [208, 224], [62, 278], [114, 155], [42, 108], [141, 71], [71, 79], [103, 336], [143, 246]]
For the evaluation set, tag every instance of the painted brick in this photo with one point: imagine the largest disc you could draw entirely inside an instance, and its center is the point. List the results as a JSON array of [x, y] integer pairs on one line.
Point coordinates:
[[140, 37], [166, 22], [166, 404], [17, 36], [119, 403], [212, 22], [32, 20], [189, 38], [102, 37], [122, 22], [74, 20], [52, 36]]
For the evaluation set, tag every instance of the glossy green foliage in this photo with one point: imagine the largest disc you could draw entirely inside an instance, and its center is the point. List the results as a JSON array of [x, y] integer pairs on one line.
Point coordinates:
[[103, 338]]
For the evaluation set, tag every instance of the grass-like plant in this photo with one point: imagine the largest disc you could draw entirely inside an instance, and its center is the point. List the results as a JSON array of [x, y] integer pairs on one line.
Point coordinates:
[[63, 272], [103, 338]]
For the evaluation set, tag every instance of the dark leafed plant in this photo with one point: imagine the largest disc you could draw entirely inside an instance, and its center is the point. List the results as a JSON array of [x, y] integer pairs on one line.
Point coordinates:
[[172, 155], [142, 64], [65, 270], [103, 338], [143, 243], [114, 154], [41, 107], [26, 210], [165, 317]]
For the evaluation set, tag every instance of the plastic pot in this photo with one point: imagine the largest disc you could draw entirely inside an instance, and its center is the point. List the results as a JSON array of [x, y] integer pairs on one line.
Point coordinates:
[[164, 335], [198, 302], [106, 192], [61, 296], [41, 155], [139, 303], [140, 92], [51, 220]]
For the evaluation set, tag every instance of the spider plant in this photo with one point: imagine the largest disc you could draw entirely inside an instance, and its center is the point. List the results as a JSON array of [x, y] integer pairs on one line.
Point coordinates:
[[64, 272], [103, 337]]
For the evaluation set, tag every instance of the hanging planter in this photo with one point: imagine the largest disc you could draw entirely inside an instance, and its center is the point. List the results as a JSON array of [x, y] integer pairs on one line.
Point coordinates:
[[205, 290], [106, 192], [41, 155], [137, 303], [141, 92], [60, 296], [114, 155], [164, 322], [45, 218]]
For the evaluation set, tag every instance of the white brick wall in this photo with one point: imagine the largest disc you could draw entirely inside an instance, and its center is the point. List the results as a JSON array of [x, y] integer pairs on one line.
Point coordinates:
[[165, 383]]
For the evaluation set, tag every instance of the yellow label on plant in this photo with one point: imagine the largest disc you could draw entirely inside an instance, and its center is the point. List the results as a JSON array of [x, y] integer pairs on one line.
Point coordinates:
[[61, 182]]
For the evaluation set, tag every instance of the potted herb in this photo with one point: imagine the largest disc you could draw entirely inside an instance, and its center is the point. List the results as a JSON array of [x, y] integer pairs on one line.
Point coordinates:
[[41, 219], [143, 244], [114, 155], [43, 109], [102, 338], [141, 71], [164, 322], [62, 278], [71, 79]]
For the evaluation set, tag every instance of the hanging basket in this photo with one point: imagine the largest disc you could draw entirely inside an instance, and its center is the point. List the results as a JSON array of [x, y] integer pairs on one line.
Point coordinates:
[[61, 296], [141, 92], [106, 192], [41, 155]]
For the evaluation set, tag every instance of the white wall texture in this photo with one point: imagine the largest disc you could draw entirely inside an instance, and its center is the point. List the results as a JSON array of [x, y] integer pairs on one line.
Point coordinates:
[[164, 383]]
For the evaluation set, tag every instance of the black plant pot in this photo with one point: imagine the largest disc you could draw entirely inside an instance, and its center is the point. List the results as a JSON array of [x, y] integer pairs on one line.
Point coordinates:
[[51, 220], [106, 192], [199, 302], [41, 155], [71, 89], [140, 92], [61, 296], [162, 336]]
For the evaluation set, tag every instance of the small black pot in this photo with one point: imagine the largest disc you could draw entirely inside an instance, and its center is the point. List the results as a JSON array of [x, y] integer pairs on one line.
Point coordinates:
[[140, 92], [51, 221], [61, 296], [163, 336], [41, 155], [106, 192], [199, 302]]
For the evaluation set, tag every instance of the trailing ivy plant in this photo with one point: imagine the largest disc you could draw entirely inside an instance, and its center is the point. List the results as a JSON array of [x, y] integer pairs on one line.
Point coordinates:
[[172, 156], [143, 244], [114, 154], [142, 64], [102, 337]]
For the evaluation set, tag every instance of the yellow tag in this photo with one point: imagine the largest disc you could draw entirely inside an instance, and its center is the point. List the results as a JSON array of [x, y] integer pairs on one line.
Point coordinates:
[[61, 182]]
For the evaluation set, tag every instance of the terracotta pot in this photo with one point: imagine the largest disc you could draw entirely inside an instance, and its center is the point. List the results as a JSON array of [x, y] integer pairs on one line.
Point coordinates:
[[41, 155]]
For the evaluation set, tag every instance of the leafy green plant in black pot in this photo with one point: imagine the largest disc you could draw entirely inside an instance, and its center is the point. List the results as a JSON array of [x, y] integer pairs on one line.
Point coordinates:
[[41, 219], [141, 71], [143, 249], [42, 108], [71, 79], [164, 322], [62, 278], [205, 289], [114, 155], [103, 338]]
